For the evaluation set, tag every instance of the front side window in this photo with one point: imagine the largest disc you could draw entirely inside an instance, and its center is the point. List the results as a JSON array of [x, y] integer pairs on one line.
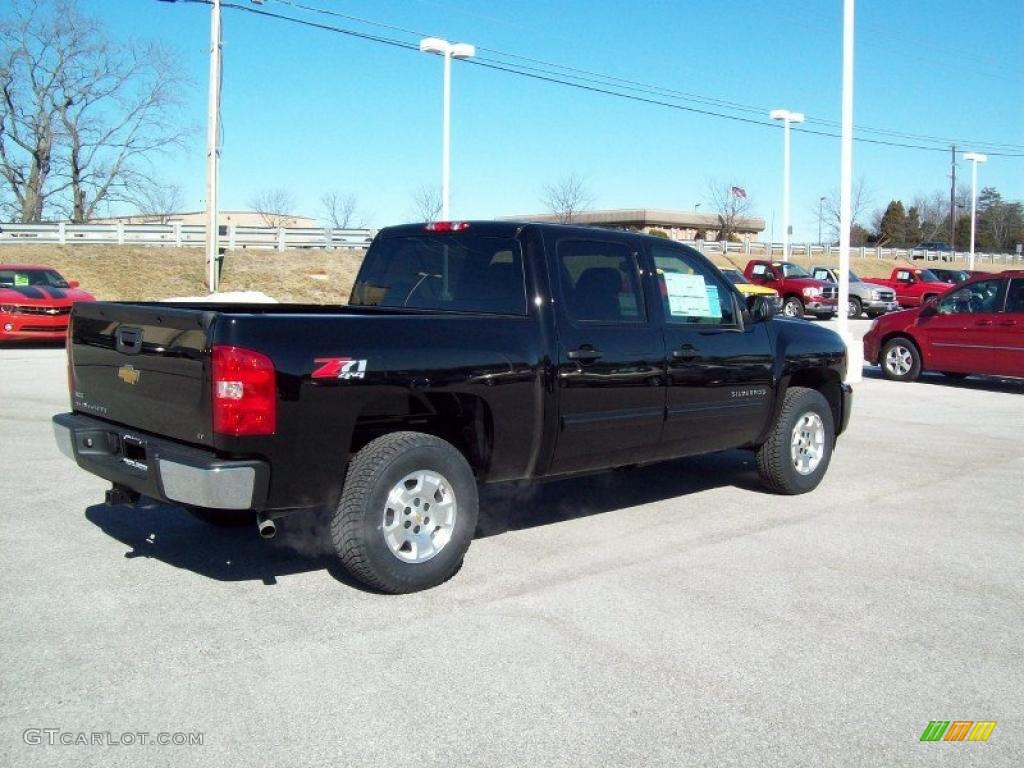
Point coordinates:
[[461, 272], [971, 299], [691, 292], [600, 282]]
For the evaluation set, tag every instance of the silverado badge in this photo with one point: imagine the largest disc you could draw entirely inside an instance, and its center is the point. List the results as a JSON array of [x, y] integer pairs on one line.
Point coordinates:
[[128, 374]]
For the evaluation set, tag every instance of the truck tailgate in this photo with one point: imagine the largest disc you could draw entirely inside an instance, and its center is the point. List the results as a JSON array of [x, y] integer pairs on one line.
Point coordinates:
[[144, 366]]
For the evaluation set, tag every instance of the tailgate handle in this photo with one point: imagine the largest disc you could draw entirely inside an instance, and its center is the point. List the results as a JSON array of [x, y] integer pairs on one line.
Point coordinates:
[[129, 340]]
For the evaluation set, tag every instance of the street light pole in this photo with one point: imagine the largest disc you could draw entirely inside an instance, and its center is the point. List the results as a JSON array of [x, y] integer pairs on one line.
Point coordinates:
[[975, 158], [448, 51], [213, 148], [787, 118]]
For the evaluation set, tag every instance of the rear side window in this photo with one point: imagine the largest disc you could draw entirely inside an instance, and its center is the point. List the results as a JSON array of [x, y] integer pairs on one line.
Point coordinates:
[[458, 273], [600, 282]]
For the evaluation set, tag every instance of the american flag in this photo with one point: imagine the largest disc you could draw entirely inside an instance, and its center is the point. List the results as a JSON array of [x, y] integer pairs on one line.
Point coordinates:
[[739, 192]]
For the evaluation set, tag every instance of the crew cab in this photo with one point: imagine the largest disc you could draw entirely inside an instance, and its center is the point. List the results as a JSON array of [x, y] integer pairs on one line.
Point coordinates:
[[469, 352], [975, 328], [35, 302], [864, 297], [801, 293], [913, 286]]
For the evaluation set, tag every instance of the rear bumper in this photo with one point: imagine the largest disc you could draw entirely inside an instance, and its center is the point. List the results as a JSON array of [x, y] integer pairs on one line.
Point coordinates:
[[159, 468]]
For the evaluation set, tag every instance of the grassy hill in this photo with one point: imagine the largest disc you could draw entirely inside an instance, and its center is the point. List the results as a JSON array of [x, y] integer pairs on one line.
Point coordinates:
[[319, 277]]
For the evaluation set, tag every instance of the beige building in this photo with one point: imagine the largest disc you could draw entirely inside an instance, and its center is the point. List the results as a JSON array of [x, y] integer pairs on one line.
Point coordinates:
[[224, 218], [678, 225]]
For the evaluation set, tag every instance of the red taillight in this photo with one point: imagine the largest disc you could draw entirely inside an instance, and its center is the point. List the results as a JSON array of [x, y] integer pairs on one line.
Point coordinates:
[[447, 226], [244, 392]]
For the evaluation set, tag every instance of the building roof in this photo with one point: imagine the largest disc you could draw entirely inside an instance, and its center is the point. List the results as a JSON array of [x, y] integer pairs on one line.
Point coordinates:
[[646, 217]]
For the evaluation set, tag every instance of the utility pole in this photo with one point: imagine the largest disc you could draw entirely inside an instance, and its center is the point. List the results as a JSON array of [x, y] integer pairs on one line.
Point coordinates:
[[213, 149], [952, 201]]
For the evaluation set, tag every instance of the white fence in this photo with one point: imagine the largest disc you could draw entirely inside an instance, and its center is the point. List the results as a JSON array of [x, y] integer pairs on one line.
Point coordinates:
[[180, 235], [830, 253]]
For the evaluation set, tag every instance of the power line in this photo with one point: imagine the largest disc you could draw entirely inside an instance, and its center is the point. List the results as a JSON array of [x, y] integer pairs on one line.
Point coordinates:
[[604, 88], [663, 91]]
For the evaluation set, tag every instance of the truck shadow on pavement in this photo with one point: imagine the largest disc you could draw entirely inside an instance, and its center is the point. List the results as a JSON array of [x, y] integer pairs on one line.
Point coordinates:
[[169, 534]]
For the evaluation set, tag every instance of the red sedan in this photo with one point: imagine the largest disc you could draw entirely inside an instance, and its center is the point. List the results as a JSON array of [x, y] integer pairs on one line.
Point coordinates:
[[975, 327], [35, 303]]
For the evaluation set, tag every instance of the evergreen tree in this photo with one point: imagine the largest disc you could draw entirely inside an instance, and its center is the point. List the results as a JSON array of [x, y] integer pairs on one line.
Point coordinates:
[[892, 231]]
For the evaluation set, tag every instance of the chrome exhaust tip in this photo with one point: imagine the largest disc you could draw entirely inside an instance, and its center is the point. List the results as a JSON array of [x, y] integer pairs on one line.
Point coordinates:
[[266, 527]]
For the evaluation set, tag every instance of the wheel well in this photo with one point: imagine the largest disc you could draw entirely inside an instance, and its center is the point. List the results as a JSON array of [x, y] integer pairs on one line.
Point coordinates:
[[825, 381], [463, 420]]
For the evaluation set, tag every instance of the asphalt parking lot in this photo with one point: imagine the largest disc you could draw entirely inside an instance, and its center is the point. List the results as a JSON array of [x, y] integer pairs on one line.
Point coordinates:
[[667, 615]]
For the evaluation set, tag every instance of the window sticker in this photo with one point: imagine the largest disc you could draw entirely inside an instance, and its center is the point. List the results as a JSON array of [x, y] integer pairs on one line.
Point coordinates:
[[688, 296], [714, 303], [20, 278], [759, 269]]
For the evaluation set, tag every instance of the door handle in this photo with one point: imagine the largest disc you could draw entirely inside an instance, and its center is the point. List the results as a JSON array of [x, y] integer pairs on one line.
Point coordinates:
[[685, 352], [585, 354], [983, 322], [1008, 323]]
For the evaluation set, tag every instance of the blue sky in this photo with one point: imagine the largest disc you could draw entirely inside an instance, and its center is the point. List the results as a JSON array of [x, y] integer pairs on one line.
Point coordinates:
[[310, 111]]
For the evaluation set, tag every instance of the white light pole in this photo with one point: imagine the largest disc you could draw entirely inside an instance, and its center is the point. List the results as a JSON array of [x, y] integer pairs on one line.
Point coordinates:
[[975, 158], [212, 148], [449, 51], [787, 118], [855, 351]]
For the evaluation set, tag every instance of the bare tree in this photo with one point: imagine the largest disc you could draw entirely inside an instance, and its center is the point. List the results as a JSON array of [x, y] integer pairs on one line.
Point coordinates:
[[860, 202], [427, 203], [159, 201], [730, 202], [340, 210], [80, 115], [567, 197], [273, 206]]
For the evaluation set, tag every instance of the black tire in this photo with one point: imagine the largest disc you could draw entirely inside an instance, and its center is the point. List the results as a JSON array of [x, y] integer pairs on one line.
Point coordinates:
[[854, 308], [357, 525], [955, 375], [793, 307], [775, 461], [224, 518], [901, 360]]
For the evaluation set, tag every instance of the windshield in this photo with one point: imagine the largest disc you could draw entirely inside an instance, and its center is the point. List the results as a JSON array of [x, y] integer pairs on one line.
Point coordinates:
[[853, 277], [927, 276], [18, 278], [792, 270], [458, 273], [735, 277]]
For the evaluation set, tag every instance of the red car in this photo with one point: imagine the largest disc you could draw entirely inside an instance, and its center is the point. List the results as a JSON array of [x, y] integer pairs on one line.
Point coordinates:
[[35, 303], [976, 327]]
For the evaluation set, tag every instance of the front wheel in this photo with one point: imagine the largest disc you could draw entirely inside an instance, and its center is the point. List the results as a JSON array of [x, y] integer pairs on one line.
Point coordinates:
[[793, 307], [797, 453], [854, 308], [407, 514], [900, 360]]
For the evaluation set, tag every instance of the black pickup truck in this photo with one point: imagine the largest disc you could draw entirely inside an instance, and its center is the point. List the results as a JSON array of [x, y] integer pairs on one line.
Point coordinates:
[[469, 352]]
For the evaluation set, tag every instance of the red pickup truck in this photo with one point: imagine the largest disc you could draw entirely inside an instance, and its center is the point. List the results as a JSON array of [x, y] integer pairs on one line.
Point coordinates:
[[913, 287], [801, 293]]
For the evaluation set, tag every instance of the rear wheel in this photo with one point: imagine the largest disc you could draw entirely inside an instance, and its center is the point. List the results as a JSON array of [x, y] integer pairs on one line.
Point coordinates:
[[900, 360], [797, 453], [793, 307], [407, 514], [854, 308]]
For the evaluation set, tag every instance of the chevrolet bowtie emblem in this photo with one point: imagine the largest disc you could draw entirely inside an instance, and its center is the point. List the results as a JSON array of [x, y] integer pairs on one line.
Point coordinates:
[[128, 374]]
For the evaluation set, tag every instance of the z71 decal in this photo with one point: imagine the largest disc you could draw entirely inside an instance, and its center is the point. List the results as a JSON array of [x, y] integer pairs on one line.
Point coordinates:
[[339, 368]]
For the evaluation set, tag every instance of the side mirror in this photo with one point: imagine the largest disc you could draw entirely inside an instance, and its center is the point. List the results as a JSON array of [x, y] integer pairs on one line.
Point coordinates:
[[762, 307], [73, 283], [929, 309]]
